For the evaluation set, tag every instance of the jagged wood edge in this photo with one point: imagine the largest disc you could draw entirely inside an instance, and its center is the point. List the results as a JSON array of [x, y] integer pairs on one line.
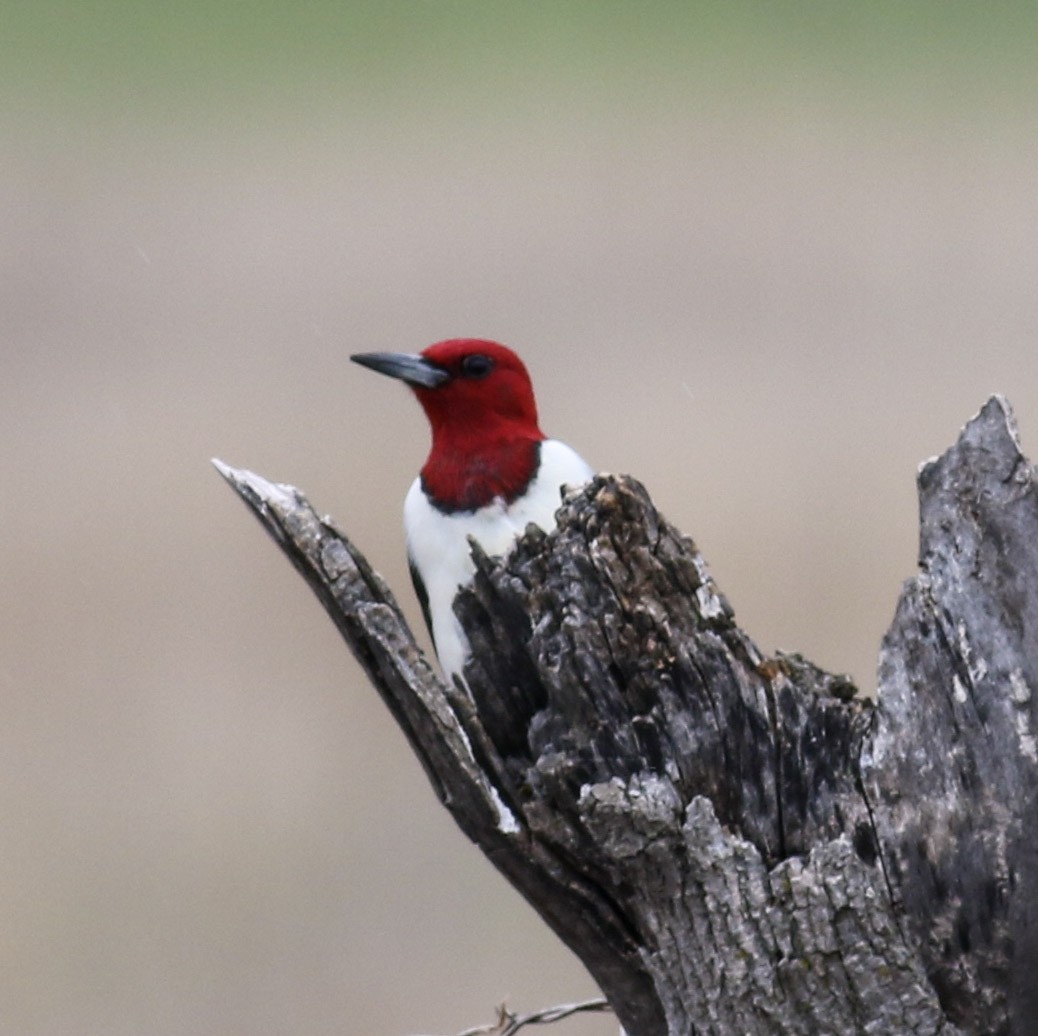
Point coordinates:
[[446, 735], [952, 763], [470, 778], [367, 615], [806, 903]]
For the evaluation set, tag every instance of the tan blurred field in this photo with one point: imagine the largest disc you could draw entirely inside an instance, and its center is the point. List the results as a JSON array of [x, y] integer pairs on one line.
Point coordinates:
[[766, 276]]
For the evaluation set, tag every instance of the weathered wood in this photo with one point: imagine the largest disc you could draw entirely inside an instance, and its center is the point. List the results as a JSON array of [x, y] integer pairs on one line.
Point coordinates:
[[734, 843], [952, 766]]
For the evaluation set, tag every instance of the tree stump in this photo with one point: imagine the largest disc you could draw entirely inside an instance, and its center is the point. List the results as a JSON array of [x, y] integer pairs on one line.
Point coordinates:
[[734, 843]]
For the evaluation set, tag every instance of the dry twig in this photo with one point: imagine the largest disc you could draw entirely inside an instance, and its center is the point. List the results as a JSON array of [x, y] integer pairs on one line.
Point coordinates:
[[508, 1024]]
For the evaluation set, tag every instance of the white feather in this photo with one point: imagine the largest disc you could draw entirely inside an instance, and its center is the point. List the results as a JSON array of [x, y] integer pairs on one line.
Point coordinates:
[[437, 543]]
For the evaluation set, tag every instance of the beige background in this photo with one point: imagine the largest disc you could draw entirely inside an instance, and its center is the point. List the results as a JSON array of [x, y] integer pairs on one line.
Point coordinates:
[[767, 265]]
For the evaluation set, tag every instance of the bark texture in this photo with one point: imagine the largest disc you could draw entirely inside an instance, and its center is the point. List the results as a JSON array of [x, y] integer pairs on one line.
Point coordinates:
[[735, 843]]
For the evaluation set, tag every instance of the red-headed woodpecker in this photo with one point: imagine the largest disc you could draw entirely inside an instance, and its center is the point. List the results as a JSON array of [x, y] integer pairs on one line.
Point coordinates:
[[491, 471]]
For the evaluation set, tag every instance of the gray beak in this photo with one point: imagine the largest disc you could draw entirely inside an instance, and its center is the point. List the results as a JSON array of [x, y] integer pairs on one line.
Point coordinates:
[[409, 367]]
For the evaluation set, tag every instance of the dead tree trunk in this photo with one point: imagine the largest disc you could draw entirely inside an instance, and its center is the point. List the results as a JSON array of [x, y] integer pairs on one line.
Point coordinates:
[[734, 843]]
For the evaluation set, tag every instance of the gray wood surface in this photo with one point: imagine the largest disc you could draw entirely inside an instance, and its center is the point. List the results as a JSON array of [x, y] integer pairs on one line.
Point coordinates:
[[735, 843]]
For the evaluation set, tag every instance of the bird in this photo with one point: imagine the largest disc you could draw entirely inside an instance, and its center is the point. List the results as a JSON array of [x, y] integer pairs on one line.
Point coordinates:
[[490, 472]]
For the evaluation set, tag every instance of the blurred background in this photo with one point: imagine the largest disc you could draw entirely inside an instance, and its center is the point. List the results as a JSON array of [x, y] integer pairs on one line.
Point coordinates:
[[766, 257]]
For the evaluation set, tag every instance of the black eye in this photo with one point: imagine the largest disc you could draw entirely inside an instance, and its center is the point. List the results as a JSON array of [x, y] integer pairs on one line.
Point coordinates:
[[476, 366]]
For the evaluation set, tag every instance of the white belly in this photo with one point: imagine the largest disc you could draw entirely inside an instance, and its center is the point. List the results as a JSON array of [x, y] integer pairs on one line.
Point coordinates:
[[437, 543]]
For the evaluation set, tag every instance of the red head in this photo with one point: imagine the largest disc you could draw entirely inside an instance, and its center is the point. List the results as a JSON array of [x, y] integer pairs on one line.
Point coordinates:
[[479, 401]]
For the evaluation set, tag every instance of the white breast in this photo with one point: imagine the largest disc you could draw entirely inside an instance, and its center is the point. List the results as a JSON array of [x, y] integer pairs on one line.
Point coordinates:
[[437, 543]]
